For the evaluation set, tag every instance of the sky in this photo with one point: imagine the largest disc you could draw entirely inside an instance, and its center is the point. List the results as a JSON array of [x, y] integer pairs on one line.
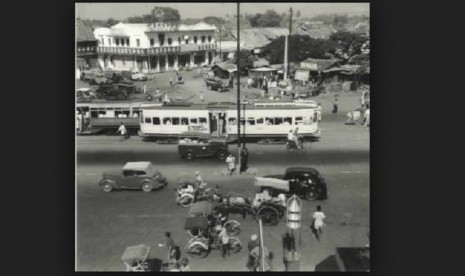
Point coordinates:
[[121, 11]]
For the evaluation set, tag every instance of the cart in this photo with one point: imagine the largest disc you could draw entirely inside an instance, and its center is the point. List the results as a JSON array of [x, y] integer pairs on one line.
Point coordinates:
[[135, 257], [205, 209]]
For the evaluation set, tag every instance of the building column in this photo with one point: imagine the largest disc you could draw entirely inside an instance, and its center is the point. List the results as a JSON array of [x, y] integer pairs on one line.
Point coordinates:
[[166, 63], [175, 62], [134, 62], [206, 58], [191, 60], [158, 64]]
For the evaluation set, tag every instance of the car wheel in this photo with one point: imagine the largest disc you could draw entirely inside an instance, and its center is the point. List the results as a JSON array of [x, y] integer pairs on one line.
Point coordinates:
[[189, 156], [107, 186], [147, 187], [311, 194]]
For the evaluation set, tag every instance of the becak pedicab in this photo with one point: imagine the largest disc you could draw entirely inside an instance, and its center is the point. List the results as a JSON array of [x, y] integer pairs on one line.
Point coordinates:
[[204, 237], [189, 192], [205, 209], [135, 257]]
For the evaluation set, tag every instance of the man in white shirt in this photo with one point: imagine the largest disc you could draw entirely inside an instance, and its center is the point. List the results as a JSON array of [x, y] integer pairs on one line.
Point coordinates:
[[318, 222], [122, 130], [367, 118]]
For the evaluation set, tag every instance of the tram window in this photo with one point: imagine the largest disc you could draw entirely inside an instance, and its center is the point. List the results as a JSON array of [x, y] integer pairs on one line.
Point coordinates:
[[242, 121], [184, 121], [102, 113], [288, 120], [194, 121], [175, 121], [148, 120], [278, 121], [232, 121], [299, 120], [269, 121], [94, 113], [126, 112], [167, 121], [135, 112], [260, 121], [251, 121], [202, 120], [156, 120]]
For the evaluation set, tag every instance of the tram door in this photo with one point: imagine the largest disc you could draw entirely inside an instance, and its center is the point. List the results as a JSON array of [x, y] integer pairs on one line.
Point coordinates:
[[217, 123]]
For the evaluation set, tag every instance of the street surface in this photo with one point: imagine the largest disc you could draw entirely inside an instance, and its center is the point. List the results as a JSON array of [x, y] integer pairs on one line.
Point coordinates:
[[109, 222]]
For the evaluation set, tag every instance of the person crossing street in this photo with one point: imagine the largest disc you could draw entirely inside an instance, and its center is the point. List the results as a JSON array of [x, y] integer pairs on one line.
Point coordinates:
[[123, 131]]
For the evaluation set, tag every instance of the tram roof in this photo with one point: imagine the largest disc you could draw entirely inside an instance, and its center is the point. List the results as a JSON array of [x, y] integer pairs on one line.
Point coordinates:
[[226, 106]]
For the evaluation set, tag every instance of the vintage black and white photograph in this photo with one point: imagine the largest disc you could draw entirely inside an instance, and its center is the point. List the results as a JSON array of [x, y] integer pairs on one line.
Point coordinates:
[[222, 136]]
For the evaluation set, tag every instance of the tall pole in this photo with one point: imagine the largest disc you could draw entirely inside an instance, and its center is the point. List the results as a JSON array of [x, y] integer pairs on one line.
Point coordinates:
[[262, 247], [285, 58], [238, 88], [290, 32], [221, 56]]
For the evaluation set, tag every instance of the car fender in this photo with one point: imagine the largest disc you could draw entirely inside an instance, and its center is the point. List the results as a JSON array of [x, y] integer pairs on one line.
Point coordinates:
[[147, 181], [201, 244], [103, 180]]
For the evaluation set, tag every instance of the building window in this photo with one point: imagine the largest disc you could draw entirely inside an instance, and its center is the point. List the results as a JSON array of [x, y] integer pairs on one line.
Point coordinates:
[[152, 42], [138, 42], [170, 41], [209, 38], [203, 39], [102, 42], [127, 41], [117, 41], [195, 39], [161, 38], [187, 41], [109, 42], [179, 40]]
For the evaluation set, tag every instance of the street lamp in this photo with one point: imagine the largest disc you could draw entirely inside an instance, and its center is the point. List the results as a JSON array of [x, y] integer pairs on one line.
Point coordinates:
[[294, 221]]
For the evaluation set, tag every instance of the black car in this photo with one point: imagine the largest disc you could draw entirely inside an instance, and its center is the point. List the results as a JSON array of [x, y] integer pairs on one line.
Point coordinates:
[[196, 144], [302, 181], [110, 92], [217, 84]]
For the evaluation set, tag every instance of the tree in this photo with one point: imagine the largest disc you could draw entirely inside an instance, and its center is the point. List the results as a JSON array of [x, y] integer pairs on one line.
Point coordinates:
[[165, 14], [348, 40], [246, 60], [269, 19], [110, 22], [213, 20]]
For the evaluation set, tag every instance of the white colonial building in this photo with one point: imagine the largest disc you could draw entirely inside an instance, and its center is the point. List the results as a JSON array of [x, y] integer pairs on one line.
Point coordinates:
[[155, 47]]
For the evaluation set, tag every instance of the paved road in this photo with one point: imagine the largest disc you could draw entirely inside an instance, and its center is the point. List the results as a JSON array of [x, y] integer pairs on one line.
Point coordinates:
[[108, 222]]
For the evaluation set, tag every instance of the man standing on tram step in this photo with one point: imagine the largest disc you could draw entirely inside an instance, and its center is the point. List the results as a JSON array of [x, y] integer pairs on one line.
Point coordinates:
[[122, 130], [244, 159]]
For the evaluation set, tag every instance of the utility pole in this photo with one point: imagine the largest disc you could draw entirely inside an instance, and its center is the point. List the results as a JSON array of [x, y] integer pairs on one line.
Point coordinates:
[[238, 89], [221, 56], [290, 32]]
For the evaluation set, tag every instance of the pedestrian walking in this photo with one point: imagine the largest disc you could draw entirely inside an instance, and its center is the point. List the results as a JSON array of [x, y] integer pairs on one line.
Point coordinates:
[[367, 118], [201, 96], [251, 245], [123, 131], [170, 245], [335, 105], [318, 222], [231, 160], [244, 159], [145, 89], [223, 236], [171, 82]]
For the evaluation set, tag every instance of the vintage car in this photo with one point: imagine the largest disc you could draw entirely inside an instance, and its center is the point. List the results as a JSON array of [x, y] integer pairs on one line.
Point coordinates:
[[197, 144], [217, 84], [135, 76], [134, 175], [303, 181], [85, 95]]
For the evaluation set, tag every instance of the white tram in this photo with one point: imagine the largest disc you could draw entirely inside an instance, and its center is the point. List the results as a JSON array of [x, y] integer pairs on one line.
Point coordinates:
[[259, 121], [95, 117]]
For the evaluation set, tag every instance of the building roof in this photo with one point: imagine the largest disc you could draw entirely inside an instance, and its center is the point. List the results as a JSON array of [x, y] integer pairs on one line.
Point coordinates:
[[84, 32], [315, 30], [228, 45], [259, 37], [128, 29], [319, 64]]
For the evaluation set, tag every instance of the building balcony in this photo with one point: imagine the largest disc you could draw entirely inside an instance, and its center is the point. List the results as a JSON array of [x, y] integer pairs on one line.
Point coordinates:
[[159, 50]]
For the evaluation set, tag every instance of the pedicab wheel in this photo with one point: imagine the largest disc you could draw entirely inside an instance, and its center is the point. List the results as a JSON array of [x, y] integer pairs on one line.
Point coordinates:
[[107, 187], [235, 245], [311, 194], [146, 187], [268, 215], [197, 252], [186, 200], [189, 156], [233, 227]]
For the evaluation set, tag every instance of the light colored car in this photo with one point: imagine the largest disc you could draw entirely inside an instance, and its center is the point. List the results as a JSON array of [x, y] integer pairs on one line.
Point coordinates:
[[138, 77], [133, 175]]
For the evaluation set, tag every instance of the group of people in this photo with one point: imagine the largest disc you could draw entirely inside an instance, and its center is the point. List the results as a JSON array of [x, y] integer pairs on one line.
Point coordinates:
[[231, 161], [175, 263]]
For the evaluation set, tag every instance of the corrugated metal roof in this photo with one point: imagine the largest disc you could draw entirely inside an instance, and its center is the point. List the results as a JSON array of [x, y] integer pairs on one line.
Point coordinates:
[[259, 37]]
